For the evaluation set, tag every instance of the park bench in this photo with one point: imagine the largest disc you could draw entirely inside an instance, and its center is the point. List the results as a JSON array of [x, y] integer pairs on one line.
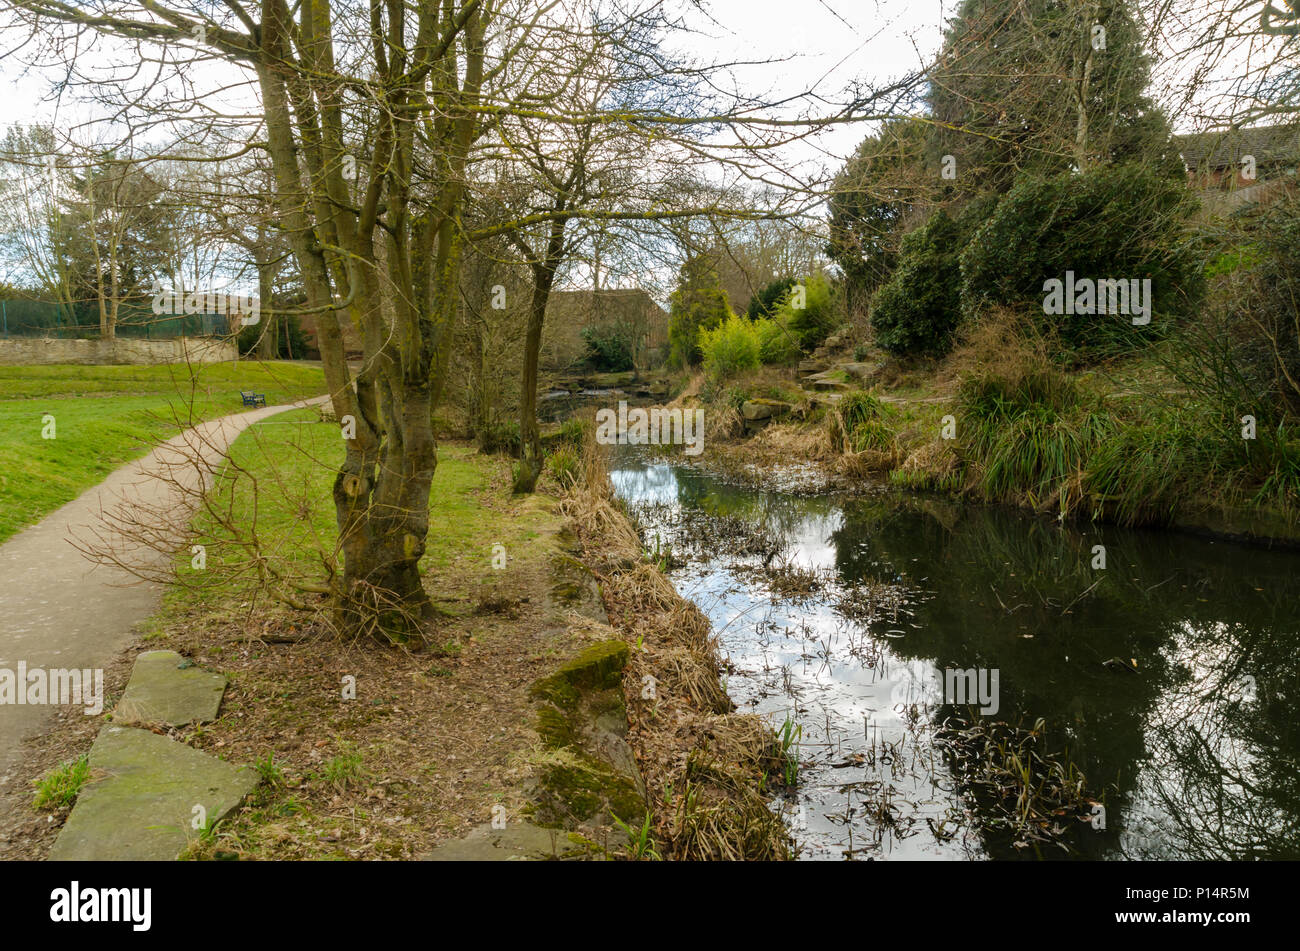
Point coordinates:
[[253, 399]]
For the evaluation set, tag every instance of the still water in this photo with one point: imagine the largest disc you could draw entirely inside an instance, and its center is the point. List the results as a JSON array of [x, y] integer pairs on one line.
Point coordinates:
[[1167, 678]]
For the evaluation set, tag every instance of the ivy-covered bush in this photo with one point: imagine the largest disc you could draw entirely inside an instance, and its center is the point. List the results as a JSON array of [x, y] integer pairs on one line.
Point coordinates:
[[1112, 223], [920, 306]]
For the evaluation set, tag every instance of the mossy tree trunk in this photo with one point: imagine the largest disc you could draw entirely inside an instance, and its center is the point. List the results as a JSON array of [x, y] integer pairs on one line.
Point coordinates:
[[381, 489], [544, 267]]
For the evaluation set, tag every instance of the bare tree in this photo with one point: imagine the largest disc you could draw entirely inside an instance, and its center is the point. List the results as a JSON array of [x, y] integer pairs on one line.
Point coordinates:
[[372, 115]]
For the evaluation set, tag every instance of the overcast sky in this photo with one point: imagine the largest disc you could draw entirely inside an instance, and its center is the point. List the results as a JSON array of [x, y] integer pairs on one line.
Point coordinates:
[[822, 46]]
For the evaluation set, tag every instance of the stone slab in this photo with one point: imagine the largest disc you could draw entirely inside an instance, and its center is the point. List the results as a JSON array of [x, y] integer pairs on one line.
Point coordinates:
[[167, 688], [517, 842], [139, 802]]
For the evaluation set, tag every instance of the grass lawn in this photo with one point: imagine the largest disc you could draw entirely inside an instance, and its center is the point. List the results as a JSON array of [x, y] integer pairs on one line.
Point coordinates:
[[291, 458], [106, 416]]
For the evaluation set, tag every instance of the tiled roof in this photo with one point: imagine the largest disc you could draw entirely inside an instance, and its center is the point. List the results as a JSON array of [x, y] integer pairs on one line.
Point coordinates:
[[1223, 149]]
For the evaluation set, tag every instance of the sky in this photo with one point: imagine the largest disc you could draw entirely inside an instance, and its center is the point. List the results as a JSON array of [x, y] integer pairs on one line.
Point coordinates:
[[823, 46], [781, 48]]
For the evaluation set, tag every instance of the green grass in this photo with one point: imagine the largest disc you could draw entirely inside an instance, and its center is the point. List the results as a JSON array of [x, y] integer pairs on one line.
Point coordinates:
[[59, 787], [278, 488], [106, 416], [343, 770]]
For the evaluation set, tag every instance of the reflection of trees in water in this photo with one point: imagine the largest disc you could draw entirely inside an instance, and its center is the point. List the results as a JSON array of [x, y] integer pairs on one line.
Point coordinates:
[[654, 483], [709, 512], [1022, 596], [1199, 773], [1223, 773]]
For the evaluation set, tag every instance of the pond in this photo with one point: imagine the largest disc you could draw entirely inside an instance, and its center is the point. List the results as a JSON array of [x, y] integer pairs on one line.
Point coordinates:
[[1154, 674]]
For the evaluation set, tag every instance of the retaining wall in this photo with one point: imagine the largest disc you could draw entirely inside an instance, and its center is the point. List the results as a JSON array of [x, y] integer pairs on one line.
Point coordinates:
[[29, 351]]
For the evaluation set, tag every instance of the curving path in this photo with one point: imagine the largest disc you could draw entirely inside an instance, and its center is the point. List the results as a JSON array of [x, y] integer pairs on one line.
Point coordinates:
[[57, 609]]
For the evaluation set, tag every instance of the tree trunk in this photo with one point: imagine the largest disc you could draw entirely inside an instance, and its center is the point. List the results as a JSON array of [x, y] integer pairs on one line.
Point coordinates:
[[530, 436], [268, 344], [381, 491]]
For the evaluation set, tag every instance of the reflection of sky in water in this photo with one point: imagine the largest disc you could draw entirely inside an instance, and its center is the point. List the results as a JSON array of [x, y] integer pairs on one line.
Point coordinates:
[[1190, 764], [860, 757]]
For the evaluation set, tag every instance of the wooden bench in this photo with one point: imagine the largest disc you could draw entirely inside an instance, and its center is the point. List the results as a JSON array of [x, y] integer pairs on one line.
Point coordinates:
[[253, 399]]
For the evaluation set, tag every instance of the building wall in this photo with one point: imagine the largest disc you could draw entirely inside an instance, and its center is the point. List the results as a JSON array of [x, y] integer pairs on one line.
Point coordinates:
[[32, 351], [353, 345], [571, 311]]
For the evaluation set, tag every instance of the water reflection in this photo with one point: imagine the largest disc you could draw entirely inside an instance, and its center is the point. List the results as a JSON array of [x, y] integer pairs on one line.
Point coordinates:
[[1196, 755]]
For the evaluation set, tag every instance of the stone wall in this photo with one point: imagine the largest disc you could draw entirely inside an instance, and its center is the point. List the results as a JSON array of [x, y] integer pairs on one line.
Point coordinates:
[[30, 351]]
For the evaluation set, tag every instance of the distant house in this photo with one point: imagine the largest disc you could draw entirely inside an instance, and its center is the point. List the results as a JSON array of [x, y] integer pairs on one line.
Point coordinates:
[[1239, 167], [353, 348], [567, 314], [630, 309]]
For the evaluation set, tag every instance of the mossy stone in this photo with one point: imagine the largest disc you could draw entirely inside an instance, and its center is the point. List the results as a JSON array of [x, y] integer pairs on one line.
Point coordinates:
[[554, 728], [581, 788], [598, 667]]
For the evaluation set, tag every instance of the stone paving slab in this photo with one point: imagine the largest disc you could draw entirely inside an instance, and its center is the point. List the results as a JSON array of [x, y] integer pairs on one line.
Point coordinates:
[[518, 842], [166, 688], [139, 802], [59, 609]]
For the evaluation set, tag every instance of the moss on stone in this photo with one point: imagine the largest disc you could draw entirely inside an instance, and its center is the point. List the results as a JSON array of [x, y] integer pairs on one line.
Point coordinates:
[[555, 689], [576, 787], [554, 727], [573, 580], [609, 703], [598, 667]]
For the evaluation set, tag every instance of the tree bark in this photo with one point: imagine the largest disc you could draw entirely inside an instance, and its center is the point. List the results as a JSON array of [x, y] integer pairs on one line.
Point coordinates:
[[268, 344], [530, 436]]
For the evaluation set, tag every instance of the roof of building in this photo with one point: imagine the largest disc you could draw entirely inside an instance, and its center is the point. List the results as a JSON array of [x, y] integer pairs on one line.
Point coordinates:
[[1225, 148]]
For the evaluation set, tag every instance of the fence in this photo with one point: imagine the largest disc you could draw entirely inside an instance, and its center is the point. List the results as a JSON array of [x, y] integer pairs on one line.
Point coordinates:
[[22, 317]]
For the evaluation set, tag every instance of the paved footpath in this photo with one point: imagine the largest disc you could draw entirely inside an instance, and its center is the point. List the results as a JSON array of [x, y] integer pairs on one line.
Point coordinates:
[[57, 609]]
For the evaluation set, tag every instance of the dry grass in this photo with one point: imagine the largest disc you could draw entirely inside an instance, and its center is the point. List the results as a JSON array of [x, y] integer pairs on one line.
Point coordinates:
[[1001, 343], [705, 768], [789, 441], [932, 463]]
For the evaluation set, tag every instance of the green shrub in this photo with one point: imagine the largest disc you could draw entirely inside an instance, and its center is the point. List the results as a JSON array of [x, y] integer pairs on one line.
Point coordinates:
[[609, 348], [565, 465], [810, 310], [920, 306], [1264, 313], [776, 343], [1232, 260], [699, 303], [769, 297], [501, 437], [730, 348], [1112, 222]]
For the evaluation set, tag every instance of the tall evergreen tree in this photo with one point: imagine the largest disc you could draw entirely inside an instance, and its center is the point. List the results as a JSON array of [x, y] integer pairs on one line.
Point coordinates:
[[1041, 86]]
